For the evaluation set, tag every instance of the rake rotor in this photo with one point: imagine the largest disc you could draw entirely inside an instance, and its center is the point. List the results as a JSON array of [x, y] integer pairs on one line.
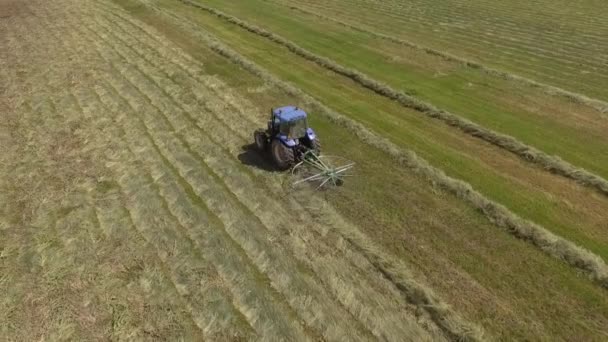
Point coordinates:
[[322, 171]]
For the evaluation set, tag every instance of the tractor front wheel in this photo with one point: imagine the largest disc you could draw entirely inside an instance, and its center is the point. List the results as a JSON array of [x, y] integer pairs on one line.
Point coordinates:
[[261, 139], [283, 156]]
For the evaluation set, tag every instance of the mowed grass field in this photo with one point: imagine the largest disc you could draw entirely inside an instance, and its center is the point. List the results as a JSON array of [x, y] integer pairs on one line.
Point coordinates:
[[553, 42], [133, 206]]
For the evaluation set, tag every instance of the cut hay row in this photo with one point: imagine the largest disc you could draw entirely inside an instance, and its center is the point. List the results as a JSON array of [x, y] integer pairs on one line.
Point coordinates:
[[186, 269], [233, 273], [188, 68], [65, 276], [506, 8], [518, 51], [116, 14], [195, 278], [221, 163], [203, 227], [194, 139], [173, 252], [136, 252], [423, 298], [528, 153], [521, 45], [522, 33], [195, 180], [264, 321], [599, 105], [452, 329], [553, 245], [260, 309]]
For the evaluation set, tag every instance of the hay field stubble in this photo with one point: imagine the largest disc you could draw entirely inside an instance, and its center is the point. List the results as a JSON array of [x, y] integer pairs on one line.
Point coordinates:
[[131, 209], [126, 220], [532, 193]]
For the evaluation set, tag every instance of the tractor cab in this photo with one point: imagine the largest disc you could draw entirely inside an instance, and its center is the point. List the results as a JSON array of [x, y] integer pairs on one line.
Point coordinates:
[[288, 136], [289, 123]]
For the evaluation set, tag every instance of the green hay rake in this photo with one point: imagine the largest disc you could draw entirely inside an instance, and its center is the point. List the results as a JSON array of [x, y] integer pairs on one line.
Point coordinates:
[[320, 170]]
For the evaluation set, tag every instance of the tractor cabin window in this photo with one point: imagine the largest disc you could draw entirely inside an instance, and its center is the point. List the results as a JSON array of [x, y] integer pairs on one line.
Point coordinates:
[[294, 129]]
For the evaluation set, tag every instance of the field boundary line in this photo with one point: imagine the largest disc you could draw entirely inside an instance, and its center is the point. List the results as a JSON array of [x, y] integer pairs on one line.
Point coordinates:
[[502, 217], [599, 105], [553, 164]]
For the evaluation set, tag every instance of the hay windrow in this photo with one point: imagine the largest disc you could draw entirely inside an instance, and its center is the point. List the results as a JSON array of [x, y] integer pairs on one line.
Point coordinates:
[[450, 322], [502, 217], [528, 153], [596, 104]]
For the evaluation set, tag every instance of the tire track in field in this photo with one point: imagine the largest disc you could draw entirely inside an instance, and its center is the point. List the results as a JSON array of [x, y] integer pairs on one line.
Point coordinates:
[[207, 148], [496, 213], [527, 153]]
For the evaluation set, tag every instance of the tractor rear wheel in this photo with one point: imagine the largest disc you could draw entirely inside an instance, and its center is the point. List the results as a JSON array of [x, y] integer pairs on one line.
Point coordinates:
[[283, 156], [316, 146], [261, 139]]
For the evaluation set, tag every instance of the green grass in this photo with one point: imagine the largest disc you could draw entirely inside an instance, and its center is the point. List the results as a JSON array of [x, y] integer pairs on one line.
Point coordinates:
[[496, 174], [455, 244], [494, 103], [562, 48]]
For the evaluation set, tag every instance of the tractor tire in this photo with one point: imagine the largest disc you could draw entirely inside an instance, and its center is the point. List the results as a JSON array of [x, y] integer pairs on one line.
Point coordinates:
[[316, 146], [283, 156], [261, 139]]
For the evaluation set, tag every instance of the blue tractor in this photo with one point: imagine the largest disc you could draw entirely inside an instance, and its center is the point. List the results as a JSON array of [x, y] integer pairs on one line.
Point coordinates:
[[288, 137]]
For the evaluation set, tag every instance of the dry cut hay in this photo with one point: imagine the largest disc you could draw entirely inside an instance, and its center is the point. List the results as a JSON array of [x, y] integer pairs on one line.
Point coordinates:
[[502, 217], [449, 321]]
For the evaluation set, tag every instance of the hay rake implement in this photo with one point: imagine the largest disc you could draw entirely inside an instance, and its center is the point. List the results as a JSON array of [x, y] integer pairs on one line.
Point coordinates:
[[294, 145], [321, 171]]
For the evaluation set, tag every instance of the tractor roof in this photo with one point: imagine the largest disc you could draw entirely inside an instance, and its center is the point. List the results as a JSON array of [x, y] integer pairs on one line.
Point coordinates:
[[289, 113]]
